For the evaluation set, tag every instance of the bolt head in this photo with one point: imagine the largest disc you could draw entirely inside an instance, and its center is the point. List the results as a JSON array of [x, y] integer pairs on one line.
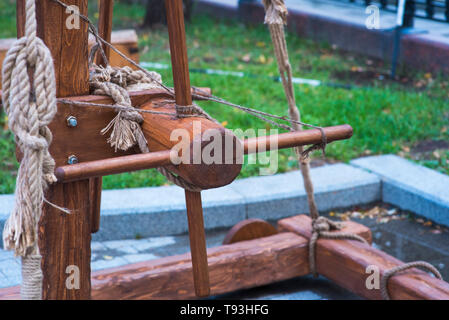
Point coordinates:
[[72, 121], [72, 160]]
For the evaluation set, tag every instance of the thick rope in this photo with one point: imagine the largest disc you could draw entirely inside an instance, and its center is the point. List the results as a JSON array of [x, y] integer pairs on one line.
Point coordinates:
[[390, 273], [30, 105], [322, 227], [126, 131], [276, 17], [31, 288]]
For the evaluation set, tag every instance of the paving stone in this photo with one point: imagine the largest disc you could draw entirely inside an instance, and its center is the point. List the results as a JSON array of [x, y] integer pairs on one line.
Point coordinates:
[[10, 281], [10, 268], [282, 195], [97, 246], [6, 254], [410, 186], [133, 258], [103, 264], [125, 246], [151, 243]]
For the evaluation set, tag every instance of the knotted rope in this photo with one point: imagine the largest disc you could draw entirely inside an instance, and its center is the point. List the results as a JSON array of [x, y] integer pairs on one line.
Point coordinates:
[[322, 227], [416, 264], [126, 130], [276, 17], [30, 102]]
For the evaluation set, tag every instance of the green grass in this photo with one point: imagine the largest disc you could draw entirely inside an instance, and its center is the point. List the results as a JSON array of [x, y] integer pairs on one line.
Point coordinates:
[[387, 117]]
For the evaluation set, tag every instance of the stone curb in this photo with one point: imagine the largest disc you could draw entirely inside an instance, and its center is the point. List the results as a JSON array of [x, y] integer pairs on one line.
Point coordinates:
[[156, 211], [410, 186]]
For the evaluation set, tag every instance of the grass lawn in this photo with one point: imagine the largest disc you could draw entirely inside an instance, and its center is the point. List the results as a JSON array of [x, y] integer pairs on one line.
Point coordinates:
[[409, 116]]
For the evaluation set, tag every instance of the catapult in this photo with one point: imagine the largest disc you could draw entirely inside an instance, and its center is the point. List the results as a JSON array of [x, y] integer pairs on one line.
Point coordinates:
[[254, 253]]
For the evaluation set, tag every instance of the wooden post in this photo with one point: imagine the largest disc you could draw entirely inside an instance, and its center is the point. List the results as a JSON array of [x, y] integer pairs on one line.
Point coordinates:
[[183, 97], [106, 10], [64, 240]]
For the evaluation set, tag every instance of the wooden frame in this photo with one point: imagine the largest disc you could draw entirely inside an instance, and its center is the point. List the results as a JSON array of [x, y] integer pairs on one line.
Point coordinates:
[[250, 258]]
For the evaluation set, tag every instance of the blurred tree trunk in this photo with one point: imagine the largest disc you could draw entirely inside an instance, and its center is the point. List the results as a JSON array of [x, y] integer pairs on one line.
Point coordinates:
[[155, 13]]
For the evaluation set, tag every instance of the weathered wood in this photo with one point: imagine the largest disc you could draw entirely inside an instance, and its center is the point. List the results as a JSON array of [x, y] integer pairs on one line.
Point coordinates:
[[106, 10], [292, 139], [248, 230], [88, 169], [95, 186], [197, 243], [64, 240], [178, 51], [85, 141], [122, 164], [124, 40], [345, 262], [240, 265], [158, 130], [232, 267], [183, 97]]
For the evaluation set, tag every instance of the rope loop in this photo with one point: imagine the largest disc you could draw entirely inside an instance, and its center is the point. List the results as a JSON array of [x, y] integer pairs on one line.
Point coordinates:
[[323, 227], [393, 271]]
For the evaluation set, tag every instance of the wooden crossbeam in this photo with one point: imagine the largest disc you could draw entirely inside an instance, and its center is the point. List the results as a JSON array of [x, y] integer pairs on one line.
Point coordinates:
[[346, 262], [262, 261], [240, 265]]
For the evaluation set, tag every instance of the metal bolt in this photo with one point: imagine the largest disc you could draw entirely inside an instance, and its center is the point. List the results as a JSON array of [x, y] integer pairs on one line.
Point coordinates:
[[72, 160], [72, 121]]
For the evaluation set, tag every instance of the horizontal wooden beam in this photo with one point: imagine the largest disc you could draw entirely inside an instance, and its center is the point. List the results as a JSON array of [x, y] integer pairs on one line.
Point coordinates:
[[110, 166], [85, 140], [232, 267], [345, 262], [296, 138], [125, 163]]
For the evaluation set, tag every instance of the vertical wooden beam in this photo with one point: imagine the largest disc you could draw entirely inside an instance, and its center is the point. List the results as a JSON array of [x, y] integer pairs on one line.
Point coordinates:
[[181, 79], [95, 185], [178, 50], [106, 9], [64, 240], [197, 238]]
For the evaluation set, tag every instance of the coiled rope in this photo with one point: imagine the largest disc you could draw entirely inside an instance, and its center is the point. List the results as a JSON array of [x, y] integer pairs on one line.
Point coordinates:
[[29, 97]]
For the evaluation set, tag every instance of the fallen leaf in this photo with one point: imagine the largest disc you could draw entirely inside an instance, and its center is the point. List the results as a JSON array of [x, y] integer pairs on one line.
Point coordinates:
[[384, 220], [246, 58], [262, 59]]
